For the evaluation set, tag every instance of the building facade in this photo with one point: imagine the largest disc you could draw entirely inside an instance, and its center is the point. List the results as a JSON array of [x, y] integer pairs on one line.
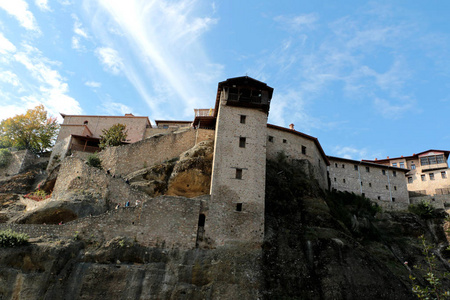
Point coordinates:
[[380, 183]]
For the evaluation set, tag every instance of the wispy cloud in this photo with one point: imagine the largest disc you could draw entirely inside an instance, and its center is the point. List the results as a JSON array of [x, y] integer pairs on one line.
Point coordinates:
[[93, 84], [79, 33], [53, 89], [354, 153], [110, 59], [10, 77], [43, 5], [116, 108], [6, 45], [168, 50], [19, 10], [297, 23]]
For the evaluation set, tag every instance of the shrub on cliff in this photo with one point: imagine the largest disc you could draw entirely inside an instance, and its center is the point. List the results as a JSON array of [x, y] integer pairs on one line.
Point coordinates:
[[5, 157], [423, 209], [94, 161], [114, 136], [9, 238]]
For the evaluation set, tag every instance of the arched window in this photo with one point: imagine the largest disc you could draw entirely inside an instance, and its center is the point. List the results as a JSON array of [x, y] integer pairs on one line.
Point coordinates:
[[86, 122]]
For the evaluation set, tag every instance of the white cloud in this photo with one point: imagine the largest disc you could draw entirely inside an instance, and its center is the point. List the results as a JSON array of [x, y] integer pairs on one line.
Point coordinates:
[[76, 43], [19, 9], [78, 27], [110, 59], [167, 50], [297, 23], [10, 77], [393, 111], [43, 5], [52, 89], [115, 108], [6, 45], [354, 153], [93, 84]]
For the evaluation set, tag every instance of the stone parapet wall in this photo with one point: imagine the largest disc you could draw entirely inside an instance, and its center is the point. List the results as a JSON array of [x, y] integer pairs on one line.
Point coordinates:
[[437, 201], [125, 159], [392, 206], [150, 224]]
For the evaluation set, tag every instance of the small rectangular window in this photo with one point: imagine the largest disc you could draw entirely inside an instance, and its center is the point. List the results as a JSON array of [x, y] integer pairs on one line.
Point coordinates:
[[394, 173], [242, 142], [284, 141], [387, 187], [443, 174], [422, 177], [343, 166], [383, 172], [402, 165], [238, 173], [303, 150], [238, 206], [410, 179], [334, 179], [367, 169], [363, 195], [431, 176], [370, 184], [394, 164], [243, 117], [393, 199], [361, 183], [413, 166], [343, 180], [335, 165], [356, 167], [395, 188], [379, 198], [270, 138], [440, 159]]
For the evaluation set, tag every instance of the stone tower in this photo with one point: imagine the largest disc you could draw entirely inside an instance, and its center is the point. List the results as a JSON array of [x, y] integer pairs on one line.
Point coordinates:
[[236, 209]]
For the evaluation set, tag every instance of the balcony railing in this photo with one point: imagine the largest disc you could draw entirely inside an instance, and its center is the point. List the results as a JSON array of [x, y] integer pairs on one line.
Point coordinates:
[[201, 112]]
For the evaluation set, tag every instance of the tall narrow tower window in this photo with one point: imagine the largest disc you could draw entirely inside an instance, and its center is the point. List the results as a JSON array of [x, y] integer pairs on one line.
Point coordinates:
[[238, 173], [242, 142], [243, 117]]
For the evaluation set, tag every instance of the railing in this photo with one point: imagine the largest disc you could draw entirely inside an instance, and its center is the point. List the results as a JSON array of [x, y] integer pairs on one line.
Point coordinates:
[[84, 148], [201, 112]]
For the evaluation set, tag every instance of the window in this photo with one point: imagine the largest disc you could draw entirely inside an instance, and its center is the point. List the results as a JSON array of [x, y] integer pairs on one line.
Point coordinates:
[[394, 164], [422, 177], [243, 117], [367, 169], [242, 142], [201, 220], [387, 187], [361, 183], [413, 166], [431, 160], [238, 206], [335, 165], [363, 195], [270, 138], [370, 184], [343, 166], [395, 188], [443, 174], [410, 179], [85, 122], [284, 141], [334, 179], [343, 180], [303, 150], [393, 199], [383, 172], [431, 176], [379, 198], [394, 173], [165, 126], [402, 165], [356, 167], [440, 159], [238, 173]]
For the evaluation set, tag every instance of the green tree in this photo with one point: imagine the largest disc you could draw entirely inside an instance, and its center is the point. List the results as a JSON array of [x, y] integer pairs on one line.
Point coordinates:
[[114, 136], [32, 130]]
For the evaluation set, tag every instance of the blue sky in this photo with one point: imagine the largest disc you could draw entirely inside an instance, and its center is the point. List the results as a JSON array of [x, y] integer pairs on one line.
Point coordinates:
[[368, 78]]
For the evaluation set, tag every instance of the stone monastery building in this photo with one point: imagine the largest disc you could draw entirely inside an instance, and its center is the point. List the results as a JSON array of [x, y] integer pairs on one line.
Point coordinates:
[[242, 142]]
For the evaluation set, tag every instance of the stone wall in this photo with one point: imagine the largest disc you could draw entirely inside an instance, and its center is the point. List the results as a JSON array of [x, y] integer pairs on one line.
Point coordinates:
[[291, 145], [165, 221], [125, 159], [59, 151], [20, 161]]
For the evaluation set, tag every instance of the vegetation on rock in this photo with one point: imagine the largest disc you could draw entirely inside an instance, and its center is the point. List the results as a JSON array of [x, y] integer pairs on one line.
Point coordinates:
[[94, 161], [114, 136], [32, 130], [423, 209], [9, 238], [5, 158]]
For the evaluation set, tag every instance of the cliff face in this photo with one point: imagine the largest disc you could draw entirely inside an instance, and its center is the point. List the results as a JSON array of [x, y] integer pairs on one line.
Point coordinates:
[[317, 246]]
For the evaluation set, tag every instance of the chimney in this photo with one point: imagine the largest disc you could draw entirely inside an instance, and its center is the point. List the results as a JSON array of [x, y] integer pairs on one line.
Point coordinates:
[[129, 115], [376, 158], [291, 126], [388, 157]]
